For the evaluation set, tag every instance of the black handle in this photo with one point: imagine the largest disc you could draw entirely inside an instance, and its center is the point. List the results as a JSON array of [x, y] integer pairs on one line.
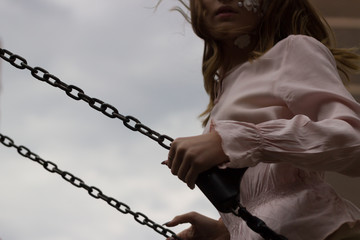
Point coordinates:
[[221, 187]]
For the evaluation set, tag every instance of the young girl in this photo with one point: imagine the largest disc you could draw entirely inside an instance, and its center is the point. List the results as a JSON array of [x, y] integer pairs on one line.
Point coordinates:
[[278, 106]]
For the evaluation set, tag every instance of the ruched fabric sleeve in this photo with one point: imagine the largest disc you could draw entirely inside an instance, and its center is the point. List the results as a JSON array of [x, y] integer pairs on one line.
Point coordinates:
[[324, 132]]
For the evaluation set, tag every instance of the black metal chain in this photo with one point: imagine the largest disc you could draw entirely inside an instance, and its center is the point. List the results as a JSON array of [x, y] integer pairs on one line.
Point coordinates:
[[93, 191], [77, 93], [256, 224], [131, 123]]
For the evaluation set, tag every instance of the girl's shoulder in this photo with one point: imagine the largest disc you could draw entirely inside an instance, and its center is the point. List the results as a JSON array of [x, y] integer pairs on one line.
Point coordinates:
[[300, 46], [295, 50]]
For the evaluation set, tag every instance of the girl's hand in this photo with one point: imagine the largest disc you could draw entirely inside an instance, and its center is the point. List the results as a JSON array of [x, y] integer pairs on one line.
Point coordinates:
[[202, 227], [190, 156]]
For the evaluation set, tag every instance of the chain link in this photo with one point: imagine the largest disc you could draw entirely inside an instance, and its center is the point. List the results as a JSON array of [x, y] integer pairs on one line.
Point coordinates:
[[92, 191], [77, 94], [131, 123], [108, 110], [257, 225]]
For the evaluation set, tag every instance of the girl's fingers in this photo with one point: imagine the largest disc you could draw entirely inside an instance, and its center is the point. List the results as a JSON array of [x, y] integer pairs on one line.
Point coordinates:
[[166, 162], [180, 219], [171, 156], [183, 170], [190, 178]]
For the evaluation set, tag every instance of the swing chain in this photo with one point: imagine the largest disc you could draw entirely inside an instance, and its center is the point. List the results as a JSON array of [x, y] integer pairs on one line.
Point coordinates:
[[132, 123], [77, 94], [92, 191], [256, 224]]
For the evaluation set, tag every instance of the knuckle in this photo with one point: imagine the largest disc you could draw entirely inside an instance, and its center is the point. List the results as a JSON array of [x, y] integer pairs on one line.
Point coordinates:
[[191, 154], [174, 144], [181, 178], [177, 141], [174, 172], [196, 164], [182, 148], [192, 215]]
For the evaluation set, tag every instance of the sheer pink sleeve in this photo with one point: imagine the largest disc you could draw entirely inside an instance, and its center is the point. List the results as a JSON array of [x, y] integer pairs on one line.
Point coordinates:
[[324, 132]]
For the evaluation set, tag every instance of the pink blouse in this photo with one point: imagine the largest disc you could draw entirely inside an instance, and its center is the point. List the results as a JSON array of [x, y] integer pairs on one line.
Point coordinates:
[[289, 118]]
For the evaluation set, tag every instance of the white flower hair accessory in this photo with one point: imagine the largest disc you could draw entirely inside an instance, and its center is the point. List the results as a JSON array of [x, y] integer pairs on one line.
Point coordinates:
[[250, 5], [243, 41]]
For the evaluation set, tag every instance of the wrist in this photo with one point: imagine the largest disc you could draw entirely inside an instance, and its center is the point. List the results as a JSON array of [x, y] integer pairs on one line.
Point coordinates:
[[224, 234]]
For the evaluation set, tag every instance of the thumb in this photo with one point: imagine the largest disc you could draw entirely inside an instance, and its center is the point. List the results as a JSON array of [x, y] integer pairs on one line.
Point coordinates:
[[172, 223], [185, 218]]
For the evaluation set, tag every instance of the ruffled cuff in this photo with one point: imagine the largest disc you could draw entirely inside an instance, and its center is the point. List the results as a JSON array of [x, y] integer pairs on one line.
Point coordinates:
[[241, 142]]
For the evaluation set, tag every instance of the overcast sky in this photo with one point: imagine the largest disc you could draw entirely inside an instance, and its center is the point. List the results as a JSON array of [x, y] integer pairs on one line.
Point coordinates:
[[145, 63]]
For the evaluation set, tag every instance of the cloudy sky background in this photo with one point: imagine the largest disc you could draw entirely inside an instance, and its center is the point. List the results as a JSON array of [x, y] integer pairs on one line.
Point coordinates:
[[145, 63]]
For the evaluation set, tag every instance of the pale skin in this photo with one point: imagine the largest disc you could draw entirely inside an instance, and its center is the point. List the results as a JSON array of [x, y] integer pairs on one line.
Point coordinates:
[[190, 156]]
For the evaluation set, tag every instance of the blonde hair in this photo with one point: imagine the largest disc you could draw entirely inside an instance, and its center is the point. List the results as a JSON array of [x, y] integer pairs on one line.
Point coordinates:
[[281, 19]]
